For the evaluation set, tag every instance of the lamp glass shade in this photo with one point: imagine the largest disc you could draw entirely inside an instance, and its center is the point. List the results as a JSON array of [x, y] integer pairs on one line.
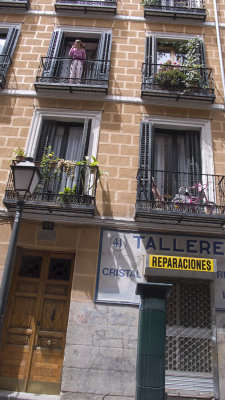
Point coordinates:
[[26, 176]]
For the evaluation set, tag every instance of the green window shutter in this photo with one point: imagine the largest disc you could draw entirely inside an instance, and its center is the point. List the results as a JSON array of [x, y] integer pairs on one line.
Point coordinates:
[[145, 160]]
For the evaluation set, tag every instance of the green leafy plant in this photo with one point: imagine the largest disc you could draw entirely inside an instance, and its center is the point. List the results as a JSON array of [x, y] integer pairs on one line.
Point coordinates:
[[48, 163], [20, 153], [170, 76], [190, 74], [65, 195], [69, 166]]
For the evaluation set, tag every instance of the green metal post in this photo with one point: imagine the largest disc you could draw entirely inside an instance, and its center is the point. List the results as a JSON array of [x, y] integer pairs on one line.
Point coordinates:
[[150, 370]]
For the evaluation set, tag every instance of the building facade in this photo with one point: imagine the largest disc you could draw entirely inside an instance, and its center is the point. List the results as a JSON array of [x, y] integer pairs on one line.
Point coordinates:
[[147, 103]]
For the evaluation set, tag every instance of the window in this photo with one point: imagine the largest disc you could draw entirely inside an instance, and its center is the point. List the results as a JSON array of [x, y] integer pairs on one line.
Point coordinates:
[[176, 67], [56, 68], [159, 50], [72, 134], [8, 40], [68, 141], [176, 160], [2, 41], [172, 158]]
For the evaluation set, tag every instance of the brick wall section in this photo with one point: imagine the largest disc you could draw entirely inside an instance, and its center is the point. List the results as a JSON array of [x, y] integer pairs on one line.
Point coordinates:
[[127, 50], [118, 149]]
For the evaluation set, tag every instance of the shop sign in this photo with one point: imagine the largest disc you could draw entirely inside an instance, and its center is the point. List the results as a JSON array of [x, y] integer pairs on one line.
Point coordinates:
[[181, 263], [124, 255]]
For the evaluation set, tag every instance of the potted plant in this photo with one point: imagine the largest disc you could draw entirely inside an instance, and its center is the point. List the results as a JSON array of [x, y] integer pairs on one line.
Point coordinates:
[[170, 76], [65, 195], [20, 154], [67, 166]]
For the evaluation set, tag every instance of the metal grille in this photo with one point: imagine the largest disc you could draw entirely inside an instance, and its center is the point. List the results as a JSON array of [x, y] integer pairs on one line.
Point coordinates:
[[188, 333]]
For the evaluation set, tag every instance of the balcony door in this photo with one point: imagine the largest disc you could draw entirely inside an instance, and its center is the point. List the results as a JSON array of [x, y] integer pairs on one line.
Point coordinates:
[[158, 51], [96, 66], [69, 141], [169, 158], [36, 321]]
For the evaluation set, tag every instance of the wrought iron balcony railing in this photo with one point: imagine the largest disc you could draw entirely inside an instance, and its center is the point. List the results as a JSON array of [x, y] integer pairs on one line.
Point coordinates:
[[54, 73], [179, 193], [22, 4], [185, 9], [60, 191], [87, 6], [177, 81], [5, 61]]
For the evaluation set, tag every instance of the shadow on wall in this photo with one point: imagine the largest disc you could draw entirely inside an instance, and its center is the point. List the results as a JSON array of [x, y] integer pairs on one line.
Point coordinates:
[[106, 201]]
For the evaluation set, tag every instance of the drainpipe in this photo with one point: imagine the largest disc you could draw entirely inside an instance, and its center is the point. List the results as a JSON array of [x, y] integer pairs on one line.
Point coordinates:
[[150, 369], [219, 47]]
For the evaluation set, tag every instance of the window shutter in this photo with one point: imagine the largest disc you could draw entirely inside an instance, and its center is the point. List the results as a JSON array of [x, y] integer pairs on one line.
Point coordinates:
[[201, 53], [46, 138], [150, 56], [145, 160], [9, 47], [193, 156], [86, 135], [11, 40], [53, 51], [103, 56]]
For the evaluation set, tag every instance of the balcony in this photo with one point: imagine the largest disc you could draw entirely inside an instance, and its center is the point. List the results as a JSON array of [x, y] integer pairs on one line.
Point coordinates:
[[180, 195], [60, 193], [54, 74], [177, 82], [5, 61], [16, 4], [108, 7], [176, 9]]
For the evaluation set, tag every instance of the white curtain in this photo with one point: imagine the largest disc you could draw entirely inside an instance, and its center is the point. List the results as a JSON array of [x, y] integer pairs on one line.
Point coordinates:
[[73, 151]]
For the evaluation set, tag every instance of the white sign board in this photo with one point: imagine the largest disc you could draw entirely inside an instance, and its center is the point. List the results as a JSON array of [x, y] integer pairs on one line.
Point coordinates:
[[123, 256]]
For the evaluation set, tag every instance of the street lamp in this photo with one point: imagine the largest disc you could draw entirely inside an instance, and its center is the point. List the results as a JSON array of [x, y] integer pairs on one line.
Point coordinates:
[[26, 177]]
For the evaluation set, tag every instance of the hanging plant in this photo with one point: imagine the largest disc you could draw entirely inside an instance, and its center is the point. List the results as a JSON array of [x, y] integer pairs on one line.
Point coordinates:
[[48, 163]]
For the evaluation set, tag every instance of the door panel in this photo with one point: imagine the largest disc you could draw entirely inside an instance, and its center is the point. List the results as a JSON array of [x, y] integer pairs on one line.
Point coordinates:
[[35, 327]]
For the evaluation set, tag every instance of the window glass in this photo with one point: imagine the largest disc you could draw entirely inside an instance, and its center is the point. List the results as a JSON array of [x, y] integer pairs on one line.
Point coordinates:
[[174, 154], [2, 42], [167, 52]]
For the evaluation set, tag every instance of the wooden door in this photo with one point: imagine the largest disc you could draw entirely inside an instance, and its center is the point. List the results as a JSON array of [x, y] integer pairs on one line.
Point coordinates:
[[35, 327]]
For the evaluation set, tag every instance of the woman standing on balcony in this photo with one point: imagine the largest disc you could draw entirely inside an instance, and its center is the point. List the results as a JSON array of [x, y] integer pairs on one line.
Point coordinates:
[[78, 55]]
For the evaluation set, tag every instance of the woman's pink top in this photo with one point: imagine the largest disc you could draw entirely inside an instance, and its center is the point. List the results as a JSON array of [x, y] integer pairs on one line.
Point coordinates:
[[77, 54]]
